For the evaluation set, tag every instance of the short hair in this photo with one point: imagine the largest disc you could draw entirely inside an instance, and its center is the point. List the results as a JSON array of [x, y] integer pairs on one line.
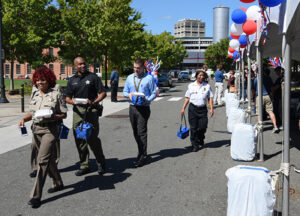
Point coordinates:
[[204, 66], [266, 71], [201, 71], [46, 73], [278, 68], [219, 66], [115, 68], [139, 61]]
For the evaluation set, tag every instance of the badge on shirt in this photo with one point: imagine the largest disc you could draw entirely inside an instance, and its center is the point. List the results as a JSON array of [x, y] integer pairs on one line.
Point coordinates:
[[204, 89], [87, 82]]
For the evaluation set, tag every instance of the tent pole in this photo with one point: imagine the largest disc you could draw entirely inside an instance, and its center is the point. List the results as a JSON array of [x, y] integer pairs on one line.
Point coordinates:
[[260, 111], [243, 78], [286, 134], [249, 87]]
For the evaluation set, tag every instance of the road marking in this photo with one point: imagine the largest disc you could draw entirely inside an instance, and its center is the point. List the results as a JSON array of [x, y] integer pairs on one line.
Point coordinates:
[[158, 98], [175, 99]]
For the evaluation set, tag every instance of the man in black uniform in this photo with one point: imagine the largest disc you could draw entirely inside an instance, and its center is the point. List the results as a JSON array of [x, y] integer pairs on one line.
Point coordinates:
[[86, 85]]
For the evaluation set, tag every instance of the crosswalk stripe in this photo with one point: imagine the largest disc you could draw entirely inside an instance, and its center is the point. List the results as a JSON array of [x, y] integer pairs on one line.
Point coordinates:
[[175, 99], [158, 98]]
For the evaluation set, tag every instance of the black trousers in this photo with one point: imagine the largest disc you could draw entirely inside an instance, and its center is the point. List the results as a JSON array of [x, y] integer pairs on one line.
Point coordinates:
[[198, 123], [114, 90], [139, 116]]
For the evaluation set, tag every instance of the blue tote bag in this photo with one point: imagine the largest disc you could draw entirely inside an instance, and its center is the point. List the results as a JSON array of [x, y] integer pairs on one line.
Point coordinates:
[[183, 132]]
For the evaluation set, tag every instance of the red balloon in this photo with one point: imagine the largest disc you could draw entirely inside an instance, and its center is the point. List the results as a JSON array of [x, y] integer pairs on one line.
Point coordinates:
[[249, 27], [243, 46], [231, 50], [247, 1], [244, 9], [230, 56], [235, 36]]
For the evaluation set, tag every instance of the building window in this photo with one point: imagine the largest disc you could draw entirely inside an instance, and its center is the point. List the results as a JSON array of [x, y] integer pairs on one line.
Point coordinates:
[[73, 70], [18, 68], [28, 69], [62, 69], [51, 67], [7, 68], [51, 51]]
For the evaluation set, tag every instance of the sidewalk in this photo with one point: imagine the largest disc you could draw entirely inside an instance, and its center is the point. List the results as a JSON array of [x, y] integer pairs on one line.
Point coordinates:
[[10, 115]]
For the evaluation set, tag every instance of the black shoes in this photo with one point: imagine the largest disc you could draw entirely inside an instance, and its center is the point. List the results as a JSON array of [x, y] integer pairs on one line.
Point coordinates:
[[33, 174], [141, 162], [101, 170], [195, 148], [35, 203], [55, 189], [81, 172]]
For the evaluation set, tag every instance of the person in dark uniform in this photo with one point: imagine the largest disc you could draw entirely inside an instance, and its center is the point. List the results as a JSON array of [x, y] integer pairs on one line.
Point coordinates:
[[140, 88], [114, 83], [196, 95], [45, 131], [87, 86]]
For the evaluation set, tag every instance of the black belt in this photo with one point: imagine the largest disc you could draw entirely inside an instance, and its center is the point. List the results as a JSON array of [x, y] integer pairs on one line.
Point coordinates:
[[198, 107]]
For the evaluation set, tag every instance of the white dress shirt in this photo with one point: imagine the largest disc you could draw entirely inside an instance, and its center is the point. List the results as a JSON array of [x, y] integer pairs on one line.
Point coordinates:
[[198, 94]]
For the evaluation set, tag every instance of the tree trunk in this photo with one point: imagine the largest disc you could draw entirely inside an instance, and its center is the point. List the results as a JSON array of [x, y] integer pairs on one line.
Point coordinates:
[[11, 76], [95, 64], [105, 71]]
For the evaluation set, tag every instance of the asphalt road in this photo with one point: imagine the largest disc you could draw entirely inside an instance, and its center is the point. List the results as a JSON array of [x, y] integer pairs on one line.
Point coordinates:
[[175, 182]]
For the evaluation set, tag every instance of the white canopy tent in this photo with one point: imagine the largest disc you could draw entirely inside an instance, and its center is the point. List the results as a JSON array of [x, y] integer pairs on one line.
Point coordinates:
[[282, 39]]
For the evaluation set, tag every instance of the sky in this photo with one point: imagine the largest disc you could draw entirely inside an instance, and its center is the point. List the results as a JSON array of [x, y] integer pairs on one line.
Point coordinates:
[[161, 15]]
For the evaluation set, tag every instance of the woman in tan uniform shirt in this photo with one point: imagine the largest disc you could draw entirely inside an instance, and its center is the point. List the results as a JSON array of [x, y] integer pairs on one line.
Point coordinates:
[[45, 131]]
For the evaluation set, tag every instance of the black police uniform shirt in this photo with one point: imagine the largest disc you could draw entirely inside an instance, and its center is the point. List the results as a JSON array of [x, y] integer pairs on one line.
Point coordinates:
[[88, 85]]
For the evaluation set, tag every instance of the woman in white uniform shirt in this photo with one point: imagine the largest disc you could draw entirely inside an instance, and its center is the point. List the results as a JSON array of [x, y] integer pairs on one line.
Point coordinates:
[[196, 95]]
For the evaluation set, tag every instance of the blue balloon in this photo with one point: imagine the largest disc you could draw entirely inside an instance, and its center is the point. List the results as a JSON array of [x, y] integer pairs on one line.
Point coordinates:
[[243, 39], [230, 37], [270, 3], [236, 55], [238, 16]]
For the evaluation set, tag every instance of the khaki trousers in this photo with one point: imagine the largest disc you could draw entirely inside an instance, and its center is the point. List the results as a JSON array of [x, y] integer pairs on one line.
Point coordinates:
[[44, 140]]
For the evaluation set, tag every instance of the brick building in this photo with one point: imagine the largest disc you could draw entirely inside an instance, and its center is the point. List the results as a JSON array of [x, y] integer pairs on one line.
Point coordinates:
[[61, 70]]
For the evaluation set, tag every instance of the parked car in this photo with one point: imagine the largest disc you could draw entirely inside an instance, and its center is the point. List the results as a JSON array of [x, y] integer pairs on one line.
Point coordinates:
[[184, 75], [164, 79], [22, 77], [174, 73]]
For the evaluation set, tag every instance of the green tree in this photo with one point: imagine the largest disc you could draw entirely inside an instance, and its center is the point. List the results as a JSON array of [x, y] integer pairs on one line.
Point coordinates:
[[169, 51], [29, 26], [217, 53]]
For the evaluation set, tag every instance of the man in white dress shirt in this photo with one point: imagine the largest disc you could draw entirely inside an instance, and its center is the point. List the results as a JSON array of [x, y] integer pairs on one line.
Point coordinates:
[[196, 95]]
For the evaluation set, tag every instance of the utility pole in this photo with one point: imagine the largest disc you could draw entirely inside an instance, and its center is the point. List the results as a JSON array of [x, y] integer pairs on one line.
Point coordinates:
[[3, 97]]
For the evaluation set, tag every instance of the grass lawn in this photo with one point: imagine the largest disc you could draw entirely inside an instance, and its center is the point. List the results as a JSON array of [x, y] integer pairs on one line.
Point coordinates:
[[28, 86], [19, 82]]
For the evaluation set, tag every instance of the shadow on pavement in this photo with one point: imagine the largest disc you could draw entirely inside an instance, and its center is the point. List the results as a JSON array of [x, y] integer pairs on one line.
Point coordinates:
[[167, 153], [114, 174], [217, 144]]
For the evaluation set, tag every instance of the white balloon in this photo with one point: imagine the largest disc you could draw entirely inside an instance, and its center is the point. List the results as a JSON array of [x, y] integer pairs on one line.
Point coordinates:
[[235, 44], [229, 53], [253, 13], [236, 29]]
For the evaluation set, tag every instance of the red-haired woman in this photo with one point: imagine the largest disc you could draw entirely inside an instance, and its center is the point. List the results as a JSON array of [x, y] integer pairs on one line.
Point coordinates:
[[45, 130]]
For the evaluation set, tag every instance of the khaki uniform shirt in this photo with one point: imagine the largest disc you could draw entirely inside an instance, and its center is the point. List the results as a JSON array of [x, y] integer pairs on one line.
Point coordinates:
[[53, 100]]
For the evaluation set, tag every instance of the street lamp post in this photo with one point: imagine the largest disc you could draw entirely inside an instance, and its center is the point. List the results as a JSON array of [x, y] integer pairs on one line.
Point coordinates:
[[3, 97]]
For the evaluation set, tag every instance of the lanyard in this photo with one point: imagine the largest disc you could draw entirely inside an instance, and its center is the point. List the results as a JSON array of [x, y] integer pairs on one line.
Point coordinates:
[[137, 87]]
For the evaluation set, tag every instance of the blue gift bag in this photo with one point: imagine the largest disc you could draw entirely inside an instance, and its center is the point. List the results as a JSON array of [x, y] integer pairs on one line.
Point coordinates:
[[183, 131], [84, 131], [64, 131]]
